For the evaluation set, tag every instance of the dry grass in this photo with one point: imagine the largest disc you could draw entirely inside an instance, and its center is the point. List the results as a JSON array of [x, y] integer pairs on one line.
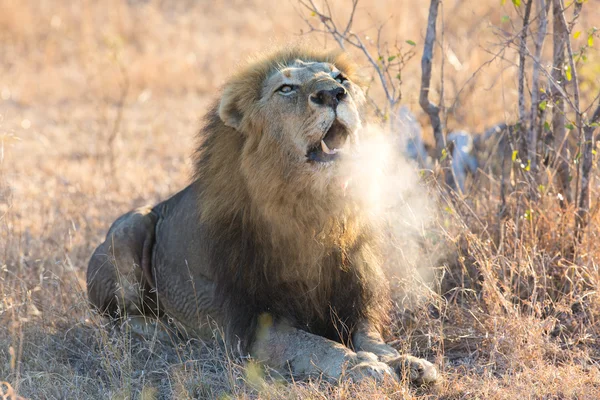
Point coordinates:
[[516, 310]]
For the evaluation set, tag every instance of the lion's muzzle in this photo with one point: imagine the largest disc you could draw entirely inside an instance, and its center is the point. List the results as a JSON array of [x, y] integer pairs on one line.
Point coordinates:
[[331, 97]]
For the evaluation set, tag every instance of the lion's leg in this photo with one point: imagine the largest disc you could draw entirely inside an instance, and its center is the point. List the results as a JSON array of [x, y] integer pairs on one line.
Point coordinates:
[[117, 285], [291, 350], [368, 338]]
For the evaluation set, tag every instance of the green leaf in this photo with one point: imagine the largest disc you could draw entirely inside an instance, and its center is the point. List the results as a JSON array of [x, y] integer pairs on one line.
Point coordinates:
[[505, 18], [411, 42], [546, 125], [391, 58], [591, 41], [514, 155], [576, 34], [528, 214], [568, 73], [444, 155], [543, 105], [517, 3], [569, 126], [502, 2], [398, 76], [541, 188]]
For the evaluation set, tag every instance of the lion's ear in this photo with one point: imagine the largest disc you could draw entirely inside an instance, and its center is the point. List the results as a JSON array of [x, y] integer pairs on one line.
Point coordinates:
[[229, 109]]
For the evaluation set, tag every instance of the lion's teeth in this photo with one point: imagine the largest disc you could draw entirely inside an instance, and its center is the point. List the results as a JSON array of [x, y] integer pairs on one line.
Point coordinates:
[[326, 149]]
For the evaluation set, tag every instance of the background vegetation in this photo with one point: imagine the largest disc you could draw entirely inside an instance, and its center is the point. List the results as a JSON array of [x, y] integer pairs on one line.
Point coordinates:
[[99, 104]]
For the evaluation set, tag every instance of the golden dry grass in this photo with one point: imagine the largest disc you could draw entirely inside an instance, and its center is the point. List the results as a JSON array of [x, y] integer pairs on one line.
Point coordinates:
[[99, 103]]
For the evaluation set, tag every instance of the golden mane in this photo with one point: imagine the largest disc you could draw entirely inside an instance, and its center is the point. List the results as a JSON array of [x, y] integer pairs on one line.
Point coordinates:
[[290, 240]]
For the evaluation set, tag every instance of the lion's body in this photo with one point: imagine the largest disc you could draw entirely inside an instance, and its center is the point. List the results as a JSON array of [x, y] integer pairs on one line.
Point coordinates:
[[263, 243]]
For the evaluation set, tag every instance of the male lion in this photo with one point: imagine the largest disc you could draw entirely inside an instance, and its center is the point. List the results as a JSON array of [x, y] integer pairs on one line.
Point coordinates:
[[266, 241]]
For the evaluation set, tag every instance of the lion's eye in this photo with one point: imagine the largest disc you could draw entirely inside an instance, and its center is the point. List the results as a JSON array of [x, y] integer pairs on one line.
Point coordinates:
[[286, 89], [341, 78]]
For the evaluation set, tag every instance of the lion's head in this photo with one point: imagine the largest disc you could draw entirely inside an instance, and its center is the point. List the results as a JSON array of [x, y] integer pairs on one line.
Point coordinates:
[[288, 121], [309, 104], [303, 105]]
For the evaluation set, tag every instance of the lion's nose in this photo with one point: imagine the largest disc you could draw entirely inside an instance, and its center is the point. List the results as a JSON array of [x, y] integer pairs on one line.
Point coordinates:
[[330, 97]]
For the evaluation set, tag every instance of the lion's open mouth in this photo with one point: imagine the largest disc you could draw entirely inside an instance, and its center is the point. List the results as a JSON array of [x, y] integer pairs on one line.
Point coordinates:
[[330, 147]]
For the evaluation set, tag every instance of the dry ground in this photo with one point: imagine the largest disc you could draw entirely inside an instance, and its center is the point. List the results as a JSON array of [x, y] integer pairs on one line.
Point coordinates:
[[99, 104]]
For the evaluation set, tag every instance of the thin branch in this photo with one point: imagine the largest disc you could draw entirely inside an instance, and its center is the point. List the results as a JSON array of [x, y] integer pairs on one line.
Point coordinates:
[[575, 82], [582, 218], [578, 5], [380, 64], [384, 82], [554, 83], [431, 109], [532, 138], [351, 19], [559, 96], [471, 79], [442, 64], [522, 50]]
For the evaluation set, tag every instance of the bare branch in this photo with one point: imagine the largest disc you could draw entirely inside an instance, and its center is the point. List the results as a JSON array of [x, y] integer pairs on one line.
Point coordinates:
[[471, 81], [442, 65], [522, 55], [351, 19], [575, 82], [594, 120], [558, 96], [578, 5], [381, 63], [431, 109], [583, 209], [384, 82], [532, 138]]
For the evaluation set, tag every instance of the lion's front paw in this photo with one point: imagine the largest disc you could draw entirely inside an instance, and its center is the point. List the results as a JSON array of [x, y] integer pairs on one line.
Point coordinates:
[[366, 366], [419, 371]]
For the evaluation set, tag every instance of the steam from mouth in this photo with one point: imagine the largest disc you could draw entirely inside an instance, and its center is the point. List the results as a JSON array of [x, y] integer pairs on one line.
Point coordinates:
[[330, 147]]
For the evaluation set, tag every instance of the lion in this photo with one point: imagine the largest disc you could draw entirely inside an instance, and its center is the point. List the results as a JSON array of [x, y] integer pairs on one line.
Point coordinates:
[[266, 243]]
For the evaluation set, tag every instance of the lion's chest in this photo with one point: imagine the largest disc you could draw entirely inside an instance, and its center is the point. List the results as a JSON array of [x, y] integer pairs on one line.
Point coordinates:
[[328, 304]]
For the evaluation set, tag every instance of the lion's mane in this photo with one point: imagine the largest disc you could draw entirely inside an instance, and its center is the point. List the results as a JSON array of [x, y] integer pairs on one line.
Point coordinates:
[[276, 247]]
